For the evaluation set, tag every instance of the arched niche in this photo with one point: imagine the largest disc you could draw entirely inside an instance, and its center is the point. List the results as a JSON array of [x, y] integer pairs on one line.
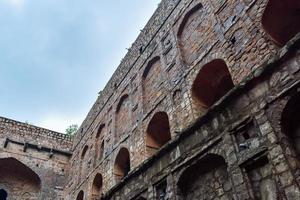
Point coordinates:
[[97, 186], [100, 131], [80, 195], [99, 144], [3, 194], [158, 132], [18, 179], [262, 186], [84, 151], [212, 82], [290, 121], [205, 179], [151, 81], [122, 164], [281, 20], [83, 162], [123, 121], [195, 33]]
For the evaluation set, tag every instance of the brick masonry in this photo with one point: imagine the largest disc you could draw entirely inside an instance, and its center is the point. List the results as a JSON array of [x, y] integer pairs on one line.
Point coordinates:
[[219, 78], [33, 161]]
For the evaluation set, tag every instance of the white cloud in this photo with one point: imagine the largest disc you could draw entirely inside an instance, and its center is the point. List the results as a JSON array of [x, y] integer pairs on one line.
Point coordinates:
[[16, 4], [58, 123]]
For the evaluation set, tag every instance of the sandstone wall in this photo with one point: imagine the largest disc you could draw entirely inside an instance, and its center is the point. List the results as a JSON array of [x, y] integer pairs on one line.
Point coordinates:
[[238, 150], [33, 161], [159, 74], [205, 104]]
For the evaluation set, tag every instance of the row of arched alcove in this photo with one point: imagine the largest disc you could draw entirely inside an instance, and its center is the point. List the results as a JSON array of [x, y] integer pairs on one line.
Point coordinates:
[[200, 176], [96, 189], [280, 21], [214, 79], [158, 131], [186, 182]]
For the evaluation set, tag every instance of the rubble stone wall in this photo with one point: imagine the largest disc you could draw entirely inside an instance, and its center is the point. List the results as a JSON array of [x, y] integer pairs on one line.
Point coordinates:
[[159, 74], [33, 161], [205, 104]]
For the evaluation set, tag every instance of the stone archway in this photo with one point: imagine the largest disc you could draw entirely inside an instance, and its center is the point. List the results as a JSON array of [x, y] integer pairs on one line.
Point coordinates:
[[158, 132], [122, 164], [97, 186], [80, 195], [122, 117], [18, 180], [206, 179], [151, 82], [280, 20], [212, 82]]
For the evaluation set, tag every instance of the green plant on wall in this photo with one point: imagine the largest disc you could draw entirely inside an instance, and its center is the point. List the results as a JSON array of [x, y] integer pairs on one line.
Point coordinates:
[[72, 129]]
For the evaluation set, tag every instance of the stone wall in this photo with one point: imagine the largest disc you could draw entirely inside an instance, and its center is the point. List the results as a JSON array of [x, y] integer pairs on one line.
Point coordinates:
[[205, 104], [186, 47], [237, 150], [23, 132], [33, 161]]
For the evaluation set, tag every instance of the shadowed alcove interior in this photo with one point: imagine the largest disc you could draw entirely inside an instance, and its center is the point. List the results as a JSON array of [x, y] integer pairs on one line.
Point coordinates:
[[158, 132], [19, 179], [122, 164], [281, 20]]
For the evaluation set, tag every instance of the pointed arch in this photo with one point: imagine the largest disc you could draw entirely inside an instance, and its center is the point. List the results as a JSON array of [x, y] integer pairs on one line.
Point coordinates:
[[122, 117], [193, 32], [158, 132], [83, 164], [100, 130], [281, 20], [84, 151], [80, 195], [99, 144], [13, 174], [211, 83], [186, 18], [97, 186], [121, 102], [122, 164], [151, 81], [150, 65]]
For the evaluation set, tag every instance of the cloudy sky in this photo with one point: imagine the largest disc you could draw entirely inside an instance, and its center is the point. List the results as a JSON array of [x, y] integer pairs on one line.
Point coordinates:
[[56, 55]]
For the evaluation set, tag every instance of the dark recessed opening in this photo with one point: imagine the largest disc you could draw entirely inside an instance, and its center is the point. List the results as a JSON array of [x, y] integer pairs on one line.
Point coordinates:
[[122, 164], [158, 132], [281, 20], [198, 174], [97, 186], [233, 40], [212, 82], [3, 194], [141, 49], [246, 135], [234, 18], [161, 190], [290, 121], [80, 195], [257, 164]]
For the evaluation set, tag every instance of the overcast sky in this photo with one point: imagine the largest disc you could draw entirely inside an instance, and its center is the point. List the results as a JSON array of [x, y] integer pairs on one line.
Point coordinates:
[[56, 55]]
